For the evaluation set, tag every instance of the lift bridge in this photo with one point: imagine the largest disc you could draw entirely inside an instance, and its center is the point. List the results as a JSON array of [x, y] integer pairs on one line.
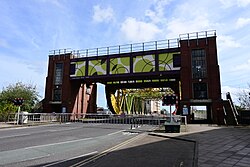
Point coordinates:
[[186, 67]]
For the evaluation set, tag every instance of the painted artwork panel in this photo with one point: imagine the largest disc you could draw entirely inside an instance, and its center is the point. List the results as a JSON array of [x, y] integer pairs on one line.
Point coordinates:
[[79, 68], [120, 65], [166, 62], [145, 63], [97, 67]]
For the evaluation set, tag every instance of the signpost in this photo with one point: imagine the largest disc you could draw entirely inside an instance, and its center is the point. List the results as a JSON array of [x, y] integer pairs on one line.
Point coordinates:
[[18, 102], [171, 126]]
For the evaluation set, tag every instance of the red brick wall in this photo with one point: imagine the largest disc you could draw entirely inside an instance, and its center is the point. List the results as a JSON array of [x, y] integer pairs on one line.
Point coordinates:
[[213, 74]]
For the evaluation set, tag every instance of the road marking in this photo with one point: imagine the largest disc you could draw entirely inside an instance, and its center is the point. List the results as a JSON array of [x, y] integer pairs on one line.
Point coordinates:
[[33, 158], [66, 142], [115, 132], [105, 152], [3, 137], [54, 130], [80, 156]]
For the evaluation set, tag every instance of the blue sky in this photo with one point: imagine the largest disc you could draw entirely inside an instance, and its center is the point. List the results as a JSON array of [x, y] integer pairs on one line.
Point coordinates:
[[29, 29]]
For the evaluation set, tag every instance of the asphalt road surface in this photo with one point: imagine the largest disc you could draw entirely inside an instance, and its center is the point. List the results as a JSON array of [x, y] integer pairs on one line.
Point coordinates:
[[89, 145], [51, 145]]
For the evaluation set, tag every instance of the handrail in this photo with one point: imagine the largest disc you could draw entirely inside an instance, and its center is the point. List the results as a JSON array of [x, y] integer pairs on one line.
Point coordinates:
[[119, 49], [235, 112], [136, 47]]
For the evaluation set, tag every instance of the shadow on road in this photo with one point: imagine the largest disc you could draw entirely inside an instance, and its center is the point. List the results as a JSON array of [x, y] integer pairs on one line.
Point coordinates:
[[225, 146]]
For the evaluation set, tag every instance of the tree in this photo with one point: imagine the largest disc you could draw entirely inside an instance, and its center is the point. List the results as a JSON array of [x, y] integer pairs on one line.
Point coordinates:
[[244, 98], [19, 90], [6, 109]]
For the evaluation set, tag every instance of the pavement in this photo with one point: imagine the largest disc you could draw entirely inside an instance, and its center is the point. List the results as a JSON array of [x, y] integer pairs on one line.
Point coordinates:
[[217, 146], [199, 145], [5, 125]]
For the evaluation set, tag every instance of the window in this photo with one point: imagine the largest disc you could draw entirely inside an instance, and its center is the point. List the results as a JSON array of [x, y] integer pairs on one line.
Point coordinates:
[[57, 95], [58, 74], [72, 69], [177, 60], [199, 67], [200, 90]]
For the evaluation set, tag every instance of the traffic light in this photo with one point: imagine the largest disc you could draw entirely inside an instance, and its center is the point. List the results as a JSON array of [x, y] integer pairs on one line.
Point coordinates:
[[18, 101], [168, 100]]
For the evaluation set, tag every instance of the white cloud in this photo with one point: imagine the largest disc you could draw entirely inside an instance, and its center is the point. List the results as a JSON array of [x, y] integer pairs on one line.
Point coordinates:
[[156, 14], [103, 14], [227, 42], [181, 25], [192, 16], [241, 22], [16, 70], [135, 30], [243, 3], [231, 3], [243, 67]]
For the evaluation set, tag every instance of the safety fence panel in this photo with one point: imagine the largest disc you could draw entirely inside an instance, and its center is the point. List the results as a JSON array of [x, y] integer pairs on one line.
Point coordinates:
[[35, 118]]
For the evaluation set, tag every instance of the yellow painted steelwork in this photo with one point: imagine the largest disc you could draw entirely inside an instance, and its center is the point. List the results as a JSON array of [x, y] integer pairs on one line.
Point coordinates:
[[131, 101]]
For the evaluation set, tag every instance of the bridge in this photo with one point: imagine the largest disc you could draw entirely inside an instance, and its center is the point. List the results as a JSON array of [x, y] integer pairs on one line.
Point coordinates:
[[186, 67]]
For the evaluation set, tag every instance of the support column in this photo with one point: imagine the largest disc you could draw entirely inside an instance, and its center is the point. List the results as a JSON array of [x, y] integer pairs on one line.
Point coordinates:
[[78, 103], [89, 100], [85, 101]]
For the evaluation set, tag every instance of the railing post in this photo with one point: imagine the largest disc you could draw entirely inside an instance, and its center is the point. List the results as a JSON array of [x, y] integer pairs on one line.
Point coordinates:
[[206, 37], [197, 38]]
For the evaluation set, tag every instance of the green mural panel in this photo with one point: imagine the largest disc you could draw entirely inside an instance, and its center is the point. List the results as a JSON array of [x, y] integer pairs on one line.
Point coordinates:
[[119, 65], [80, 68], [97, 67], [166, 61], [144, 63]]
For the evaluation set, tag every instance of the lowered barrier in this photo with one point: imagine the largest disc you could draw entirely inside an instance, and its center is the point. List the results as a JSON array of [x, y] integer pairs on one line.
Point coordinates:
[[134, 120]]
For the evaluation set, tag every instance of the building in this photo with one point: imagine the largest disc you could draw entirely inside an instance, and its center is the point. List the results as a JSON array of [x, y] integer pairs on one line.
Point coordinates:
[[187, 64]]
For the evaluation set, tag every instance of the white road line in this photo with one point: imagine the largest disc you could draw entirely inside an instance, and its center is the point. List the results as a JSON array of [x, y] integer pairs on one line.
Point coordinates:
[[80, 156], [71, 141], [62, 129], [3, 137], [52, 144], [115, 132], [33, 158]]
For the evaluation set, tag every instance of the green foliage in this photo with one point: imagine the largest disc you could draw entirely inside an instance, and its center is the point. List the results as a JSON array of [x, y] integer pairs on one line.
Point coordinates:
[[6, 109], [19, 90]]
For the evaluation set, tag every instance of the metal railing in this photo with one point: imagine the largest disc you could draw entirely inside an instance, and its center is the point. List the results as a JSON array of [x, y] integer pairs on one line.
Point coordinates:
[[197, 35], [136, 47], [119, 49], [34, 118]]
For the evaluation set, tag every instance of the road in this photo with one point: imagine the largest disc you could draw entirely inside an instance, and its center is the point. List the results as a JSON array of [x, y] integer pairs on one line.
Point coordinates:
[[51, 145]]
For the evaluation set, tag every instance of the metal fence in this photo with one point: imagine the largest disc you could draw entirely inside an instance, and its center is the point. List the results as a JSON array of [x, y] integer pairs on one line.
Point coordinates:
[[35, 118], [119, 49]]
